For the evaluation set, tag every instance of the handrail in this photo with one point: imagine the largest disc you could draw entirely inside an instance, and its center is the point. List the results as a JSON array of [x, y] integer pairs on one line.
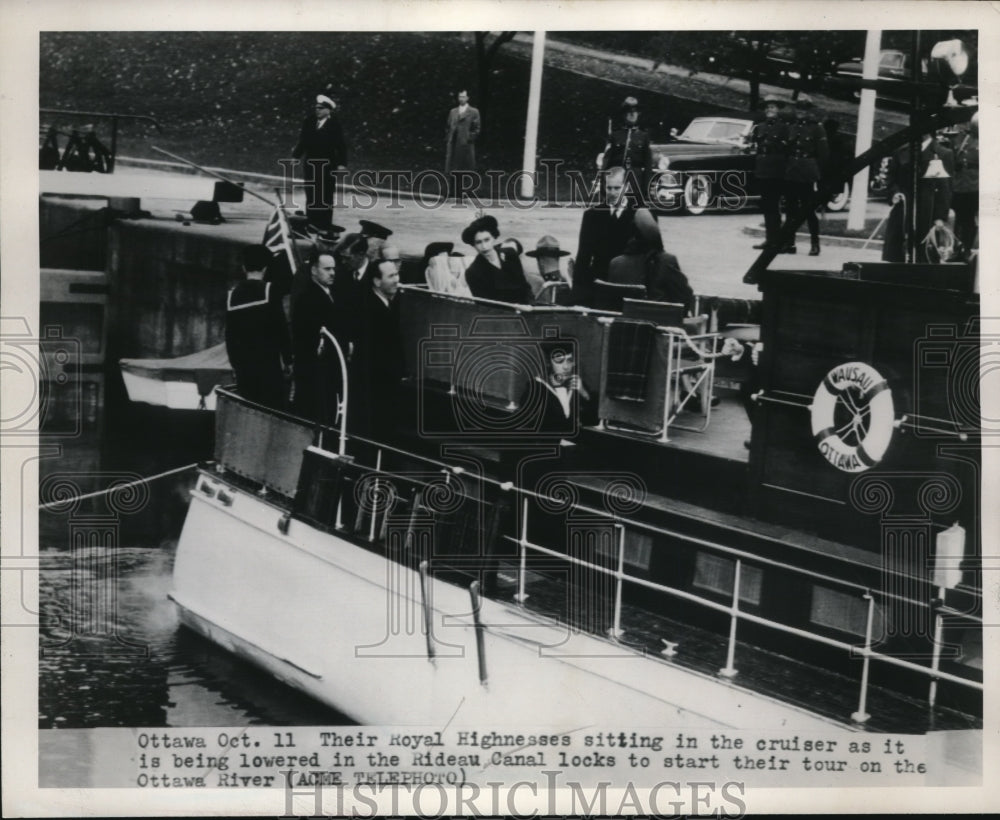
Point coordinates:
[[867, 652], [654, 528], [102, 115]]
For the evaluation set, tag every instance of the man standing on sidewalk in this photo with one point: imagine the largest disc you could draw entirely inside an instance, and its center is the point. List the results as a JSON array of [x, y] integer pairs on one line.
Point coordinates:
[[460, 146], [770, 139], [807, 155]]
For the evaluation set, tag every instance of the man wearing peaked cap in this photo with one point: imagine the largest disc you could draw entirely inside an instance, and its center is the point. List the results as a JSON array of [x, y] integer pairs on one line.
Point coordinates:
[[321, 146], [373, 230], [808, 152], [770, 142], [629, 147]]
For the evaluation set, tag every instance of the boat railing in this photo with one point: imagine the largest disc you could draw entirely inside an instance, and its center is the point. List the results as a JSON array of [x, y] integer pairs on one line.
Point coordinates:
[[874, 601], [268, 447]]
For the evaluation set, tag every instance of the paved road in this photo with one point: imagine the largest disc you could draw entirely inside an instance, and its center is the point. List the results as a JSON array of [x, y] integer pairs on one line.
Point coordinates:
[[713, 249]]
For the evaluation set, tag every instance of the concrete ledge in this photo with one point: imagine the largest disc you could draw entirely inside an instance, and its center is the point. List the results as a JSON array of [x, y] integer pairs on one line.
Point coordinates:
[[843, 241]]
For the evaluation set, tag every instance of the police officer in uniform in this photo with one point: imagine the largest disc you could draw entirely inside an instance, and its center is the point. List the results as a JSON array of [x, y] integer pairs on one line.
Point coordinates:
[[629, 148], [808, 152], [257, 340], [770, 140]]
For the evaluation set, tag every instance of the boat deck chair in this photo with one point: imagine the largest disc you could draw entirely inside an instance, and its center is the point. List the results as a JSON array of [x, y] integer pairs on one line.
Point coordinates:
[[610, 296], [555, 293], [651, 371]]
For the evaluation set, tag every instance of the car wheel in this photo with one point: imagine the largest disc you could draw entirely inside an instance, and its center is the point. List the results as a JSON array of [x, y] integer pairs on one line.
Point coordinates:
[[839, 200], [697, 194]]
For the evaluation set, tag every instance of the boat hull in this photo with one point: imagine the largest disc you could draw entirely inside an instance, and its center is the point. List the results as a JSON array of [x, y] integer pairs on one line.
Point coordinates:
[[345, 625]]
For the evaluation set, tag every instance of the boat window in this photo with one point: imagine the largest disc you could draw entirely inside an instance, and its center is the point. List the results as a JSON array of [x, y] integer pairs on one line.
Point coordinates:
[[716, 573], [638, 549], [845, 611]]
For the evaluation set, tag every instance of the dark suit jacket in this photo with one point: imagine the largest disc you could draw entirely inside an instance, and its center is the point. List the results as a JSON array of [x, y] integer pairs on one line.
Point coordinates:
[[552, 420], [315, 383], [322, 143], [602, 238], [506, 284], [376, 369]]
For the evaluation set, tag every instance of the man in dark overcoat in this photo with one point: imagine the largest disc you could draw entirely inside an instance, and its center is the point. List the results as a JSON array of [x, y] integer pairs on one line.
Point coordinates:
[[377, 364], [257, 340], [317, 381], [463, 130], [604, 232], [321, 145]]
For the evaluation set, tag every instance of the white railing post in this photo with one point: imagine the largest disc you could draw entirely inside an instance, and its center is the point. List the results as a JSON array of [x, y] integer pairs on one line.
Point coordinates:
[[378, 469], [861, 715], [521, 596], [936, 650], [616, 630], [729, 670], [668, 406]]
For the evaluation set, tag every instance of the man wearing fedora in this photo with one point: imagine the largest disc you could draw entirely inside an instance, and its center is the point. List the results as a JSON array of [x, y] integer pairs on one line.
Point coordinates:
[[808, 153], [770, 141], [321, 146], [544, 283]]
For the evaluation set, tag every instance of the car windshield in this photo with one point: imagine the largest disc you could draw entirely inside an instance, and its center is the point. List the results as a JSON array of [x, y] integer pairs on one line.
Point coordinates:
[[703, 130]]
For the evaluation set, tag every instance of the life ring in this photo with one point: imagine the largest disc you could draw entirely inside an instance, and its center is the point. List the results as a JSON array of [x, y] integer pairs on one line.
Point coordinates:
[[862, 441]]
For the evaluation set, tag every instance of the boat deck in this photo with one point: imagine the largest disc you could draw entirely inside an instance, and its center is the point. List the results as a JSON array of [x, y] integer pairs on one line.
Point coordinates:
[[786, 679]]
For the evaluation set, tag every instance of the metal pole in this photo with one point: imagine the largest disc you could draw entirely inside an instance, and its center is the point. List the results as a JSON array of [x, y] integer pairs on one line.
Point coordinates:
[[861, 715], [214, 174], [378, 468], [114, 144], [521, 596], [478, 624], [616, 630], [866, 123], [914, 183], [729, 670], [936, 650], [531, 126], [425, 602], [343, 376]]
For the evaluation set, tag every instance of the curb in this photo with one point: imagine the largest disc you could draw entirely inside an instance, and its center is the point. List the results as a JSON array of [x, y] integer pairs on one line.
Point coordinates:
[[843, 241]]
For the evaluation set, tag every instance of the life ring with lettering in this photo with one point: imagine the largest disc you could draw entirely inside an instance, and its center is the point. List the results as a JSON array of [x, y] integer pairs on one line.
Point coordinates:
[[859, 436]]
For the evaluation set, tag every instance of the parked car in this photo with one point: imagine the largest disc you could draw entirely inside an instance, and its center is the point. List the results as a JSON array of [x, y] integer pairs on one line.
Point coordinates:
[[710, 166], [893, 65]]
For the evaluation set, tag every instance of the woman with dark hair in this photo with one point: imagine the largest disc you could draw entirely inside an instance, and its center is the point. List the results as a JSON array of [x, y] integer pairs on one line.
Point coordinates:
[[496, 272]]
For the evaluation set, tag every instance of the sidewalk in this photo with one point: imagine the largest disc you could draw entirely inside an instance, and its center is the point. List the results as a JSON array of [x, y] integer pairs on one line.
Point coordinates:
[[833, 226]]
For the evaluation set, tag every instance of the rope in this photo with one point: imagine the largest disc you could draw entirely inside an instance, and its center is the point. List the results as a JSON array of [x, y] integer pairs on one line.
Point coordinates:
[[115, 488]]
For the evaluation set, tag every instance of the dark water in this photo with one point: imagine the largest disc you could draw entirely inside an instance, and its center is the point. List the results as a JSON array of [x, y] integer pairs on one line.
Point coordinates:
[[111, 649]]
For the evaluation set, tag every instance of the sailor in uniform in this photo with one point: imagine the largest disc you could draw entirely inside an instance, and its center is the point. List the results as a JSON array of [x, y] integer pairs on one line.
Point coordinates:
[[257, 340]]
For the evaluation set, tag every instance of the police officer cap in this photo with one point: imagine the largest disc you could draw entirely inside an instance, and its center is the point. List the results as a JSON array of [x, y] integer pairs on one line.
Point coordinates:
[[804, 101], [322, 99], [630, 104], [255, 257], [771, 99], [374, 230]]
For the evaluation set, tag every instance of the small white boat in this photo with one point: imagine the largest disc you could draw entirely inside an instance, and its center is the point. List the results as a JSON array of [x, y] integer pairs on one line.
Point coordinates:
[[185, 383]]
